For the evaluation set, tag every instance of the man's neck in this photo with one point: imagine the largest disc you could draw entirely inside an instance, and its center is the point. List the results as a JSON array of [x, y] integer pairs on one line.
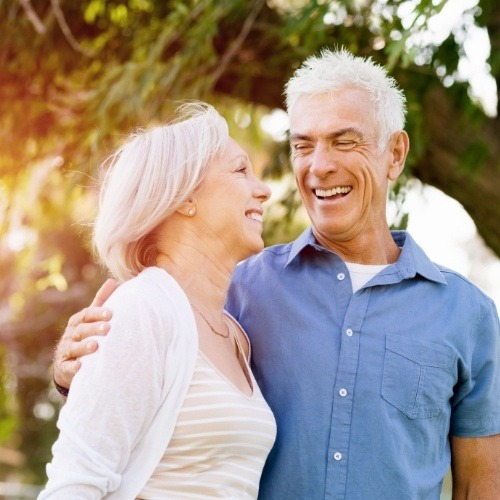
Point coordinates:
[[377, 249]]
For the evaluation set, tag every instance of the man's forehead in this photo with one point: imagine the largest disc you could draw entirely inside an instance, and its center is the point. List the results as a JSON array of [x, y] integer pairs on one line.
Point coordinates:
[[328, 112]]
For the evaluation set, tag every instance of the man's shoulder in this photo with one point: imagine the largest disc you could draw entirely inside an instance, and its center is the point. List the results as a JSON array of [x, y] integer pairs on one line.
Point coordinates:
[[457, 283], [272, 256], [269, 254], [254, 278]]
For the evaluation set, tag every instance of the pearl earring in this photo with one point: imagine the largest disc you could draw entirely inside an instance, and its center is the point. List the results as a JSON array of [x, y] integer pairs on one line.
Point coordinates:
[[191, 211]]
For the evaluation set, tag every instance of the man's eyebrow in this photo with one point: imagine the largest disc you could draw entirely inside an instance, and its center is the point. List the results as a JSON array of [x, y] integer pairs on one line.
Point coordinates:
[[299, 137], [345, 131], [332, 135]]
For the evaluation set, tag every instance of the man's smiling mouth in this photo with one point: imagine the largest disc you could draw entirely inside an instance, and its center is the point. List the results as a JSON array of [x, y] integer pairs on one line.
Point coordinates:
[[328, 193]]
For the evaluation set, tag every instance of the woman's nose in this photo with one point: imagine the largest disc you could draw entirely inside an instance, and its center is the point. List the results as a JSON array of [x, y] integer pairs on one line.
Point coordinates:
[[263, 191]]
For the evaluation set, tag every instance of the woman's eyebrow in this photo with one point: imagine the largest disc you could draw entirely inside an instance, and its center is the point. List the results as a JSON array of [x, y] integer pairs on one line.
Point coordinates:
[[240, 158]]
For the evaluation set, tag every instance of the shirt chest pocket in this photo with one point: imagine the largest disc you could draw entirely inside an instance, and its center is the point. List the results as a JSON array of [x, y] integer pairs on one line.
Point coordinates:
[[418, 376]]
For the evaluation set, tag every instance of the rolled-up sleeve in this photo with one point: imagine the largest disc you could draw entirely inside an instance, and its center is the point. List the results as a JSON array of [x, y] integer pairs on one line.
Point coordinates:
[[476, 404]]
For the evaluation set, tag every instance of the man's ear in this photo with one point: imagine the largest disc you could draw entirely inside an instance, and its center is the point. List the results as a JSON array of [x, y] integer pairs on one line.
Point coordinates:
[[188, 208], [400, 144]]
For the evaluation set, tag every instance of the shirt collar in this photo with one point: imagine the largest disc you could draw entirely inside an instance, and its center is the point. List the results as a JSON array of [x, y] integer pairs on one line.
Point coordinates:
[[411, 261], [305, 239]]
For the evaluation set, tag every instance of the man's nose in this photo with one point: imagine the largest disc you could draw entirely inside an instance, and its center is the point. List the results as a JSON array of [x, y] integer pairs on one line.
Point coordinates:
[[322, 161]]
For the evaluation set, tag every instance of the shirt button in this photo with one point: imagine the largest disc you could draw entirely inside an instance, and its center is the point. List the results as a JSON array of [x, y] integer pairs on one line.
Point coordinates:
[[343, 392], [340, 276], [348, 332], [337, 456]]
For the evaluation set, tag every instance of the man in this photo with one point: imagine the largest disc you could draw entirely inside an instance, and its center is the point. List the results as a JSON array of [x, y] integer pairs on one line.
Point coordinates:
[[380, 367]]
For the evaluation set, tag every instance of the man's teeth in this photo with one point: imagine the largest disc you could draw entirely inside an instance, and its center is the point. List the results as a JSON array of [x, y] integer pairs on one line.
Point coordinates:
[[324, 193], [255, 216]]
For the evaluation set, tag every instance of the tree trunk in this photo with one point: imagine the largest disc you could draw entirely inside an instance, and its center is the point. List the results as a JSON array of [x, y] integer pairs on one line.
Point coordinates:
[[450, 140]]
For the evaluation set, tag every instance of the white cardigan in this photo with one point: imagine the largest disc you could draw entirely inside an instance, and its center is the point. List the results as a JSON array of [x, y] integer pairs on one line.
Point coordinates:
[[125, 399]]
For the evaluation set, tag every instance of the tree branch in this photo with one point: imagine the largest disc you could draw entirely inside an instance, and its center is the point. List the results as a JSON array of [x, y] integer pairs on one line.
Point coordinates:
[[61, 21], [33, 17], [238, 42]]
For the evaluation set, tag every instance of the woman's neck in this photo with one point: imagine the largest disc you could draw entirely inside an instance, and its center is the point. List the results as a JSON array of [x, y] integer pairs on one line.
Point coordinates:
[[204, 278]]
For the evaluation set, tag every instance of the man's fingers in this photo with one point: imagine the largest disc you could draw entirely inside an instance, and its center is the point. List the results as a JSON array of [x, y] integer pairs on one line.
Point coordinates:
[[78, 349], [85, 330], [88, 316], [67, 371], [68, 349], [67, 363], [104, 292], [73, 344]]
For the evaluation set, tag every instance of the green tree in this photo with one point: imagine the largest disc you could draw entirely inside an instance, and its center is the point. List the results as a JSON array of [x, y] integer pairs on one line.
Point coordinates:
[[78, 76]]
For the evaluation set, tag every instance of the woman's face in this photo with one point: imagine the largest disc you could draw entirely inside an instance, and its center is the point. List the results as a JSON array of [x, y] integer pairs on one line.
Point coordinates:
[[229, 203]]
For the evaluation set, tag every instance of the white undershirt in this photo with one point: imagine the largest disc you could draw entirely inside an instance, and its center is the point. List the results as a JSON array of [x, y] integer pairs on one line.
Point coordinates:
[[362, 273]]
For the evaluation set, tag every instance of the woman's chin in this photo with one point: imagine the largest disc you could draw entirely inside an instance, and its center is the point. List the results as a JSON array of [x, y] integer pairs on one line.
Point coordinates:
[[253, 249]]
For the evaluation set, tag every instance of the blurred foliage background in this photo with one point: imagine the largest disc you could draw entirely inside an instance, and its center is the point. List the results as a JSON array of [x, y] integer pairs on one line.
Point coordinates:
[[76, 77]]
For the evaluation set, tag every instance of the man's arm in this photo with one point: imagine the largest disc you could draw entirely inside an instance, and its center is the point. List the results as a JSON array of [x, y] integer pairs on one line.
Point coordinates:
[[475, 467], [88, 322]]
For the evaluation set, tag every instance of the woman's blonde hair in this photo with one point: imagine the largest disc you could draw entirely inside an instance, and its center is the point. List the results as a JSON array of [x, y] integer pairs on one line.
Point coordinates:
[[147, 179]]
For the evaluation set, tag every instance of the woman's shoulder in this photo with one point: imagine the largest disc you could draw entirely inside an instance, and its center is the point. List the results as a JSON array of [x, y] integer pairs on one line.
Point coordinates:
[[150, 299], [151, 286], [149, 312]]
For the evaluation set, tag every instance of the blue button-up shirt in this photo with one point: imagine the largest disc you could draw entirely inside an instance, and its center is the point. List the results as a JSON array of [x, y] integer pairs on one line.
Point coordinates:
[[366, 387]]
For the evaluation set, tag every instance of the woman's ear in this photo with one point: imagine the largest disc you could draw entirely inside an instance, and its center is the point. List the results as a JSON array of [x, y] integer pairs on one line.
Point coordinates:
[[188, 208], [400, 144]]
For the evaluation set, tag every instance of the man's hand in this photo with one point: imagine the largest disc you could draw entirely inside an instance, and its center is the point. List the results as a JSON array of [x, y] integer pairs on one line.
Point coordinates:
[[86, 323]]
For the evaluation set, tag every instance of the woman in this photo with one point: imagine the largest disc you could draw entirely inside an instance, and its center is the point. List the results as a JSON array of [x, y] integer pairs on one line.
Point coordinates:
[[168, 406]]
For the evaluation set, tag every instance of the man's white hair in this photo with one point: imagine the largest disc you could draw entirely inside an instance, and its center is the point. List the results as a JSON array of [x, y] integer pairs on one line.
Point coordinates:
[[333, 70], [149, 178]]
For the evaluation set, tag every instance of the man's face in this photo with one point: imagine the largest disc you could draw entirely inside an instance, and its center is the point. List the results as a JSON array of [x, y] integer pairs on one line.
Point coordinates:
[[341, 175]]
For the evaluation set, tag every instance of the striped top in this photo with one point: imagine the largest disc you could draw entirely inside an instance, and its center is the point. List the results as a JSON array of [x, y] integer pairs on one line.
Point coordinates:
[[220, 442]]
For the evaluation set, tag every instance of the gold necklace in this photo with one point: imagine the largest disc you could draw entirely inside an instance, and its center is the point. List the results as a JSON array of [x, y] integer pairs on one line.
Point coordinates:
[[210, 324]]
